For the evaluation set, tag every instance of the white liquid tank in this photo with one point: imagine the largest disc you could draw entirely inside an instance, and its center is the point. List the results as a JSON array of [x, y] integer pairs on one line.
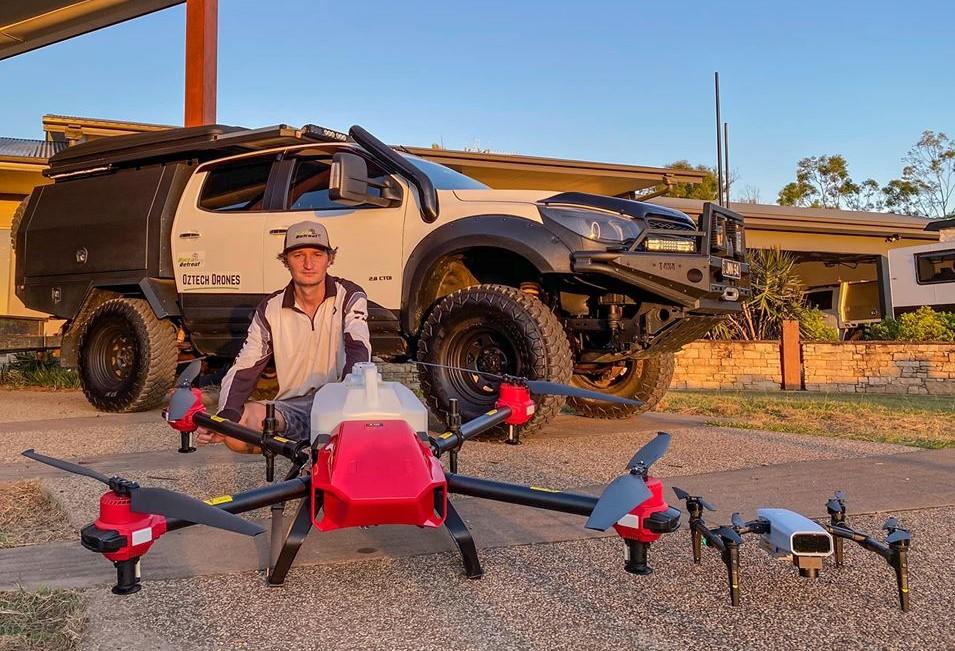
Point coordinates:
[[363, 395]]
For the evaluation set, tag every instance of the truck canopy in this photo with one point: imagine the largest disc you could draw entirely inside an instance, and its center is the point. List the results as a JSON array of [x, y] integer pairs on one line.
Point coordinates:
[[189, 143]]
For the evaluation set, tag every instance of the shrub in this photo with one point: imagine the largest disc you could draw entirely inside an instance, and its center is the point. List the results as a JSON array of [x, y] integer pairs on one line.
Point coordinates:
[[813, 326], [925, 324], [32, 370]]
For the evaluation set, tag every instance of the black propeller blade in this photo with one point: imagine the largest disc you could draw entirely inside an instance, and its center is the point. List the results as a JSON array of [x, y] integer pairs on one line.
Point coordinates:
[[177, 505], [898, 535], [543, 387], [618, 499], [183, 398], [729, 534], [891, 524], [74, 468], [836, 504], [683, 495], [650, 453], [189, 375], [738, 521], [555, 389], [159, 501]]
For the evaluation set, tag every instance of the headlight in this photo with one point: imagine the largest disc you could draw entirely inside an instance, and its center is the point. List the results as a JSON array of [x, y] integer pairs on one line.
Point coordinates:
[[670, 244], [594, 225]]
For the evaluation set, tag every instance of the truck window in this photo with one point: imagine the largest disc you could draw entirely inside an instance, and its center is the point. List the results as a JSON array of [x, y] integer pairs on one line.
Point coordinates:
[[821, 300], [237, 186], [309, 187], [935, 267]]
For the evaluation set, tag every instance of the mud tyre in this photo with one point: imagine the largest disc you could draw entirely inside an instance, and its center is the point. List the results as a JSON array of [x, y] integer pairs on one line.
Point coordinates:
[[127, 357], [642, 379], [497, 329]]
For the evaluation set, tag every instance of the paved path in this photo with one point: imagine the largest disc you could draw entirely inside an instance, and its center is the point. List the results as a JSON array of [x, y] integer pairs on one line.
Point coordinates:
[[888, 483]]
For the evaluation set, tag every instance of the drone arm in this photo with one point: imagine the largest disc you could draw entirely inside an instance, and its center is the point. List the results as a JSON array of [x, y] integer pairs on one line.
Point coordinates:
[[292, 450], [542, 498], [450, 440], [867, 542], [250, 500]]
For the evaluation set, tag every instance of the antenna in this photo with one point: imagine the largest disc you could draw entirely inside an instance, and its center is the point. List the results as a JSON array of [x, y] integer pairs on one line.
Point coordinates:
[[726, 159], [719, 143]]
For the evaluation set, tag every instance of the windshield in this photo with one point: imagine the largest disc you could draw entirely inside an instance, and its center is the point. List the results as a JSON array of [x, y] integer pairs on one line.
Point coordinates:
[[445, 178]]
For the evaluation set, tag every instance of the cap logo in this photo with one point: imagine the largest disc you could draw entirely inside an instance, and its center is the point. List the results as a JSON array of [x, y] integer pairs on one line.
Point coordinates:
[[306, 233]]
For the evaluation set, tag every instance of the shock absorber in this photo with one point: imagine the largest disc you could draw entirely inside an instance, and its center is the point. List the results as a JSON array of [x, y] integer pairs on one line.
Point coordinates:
[[531, 288]]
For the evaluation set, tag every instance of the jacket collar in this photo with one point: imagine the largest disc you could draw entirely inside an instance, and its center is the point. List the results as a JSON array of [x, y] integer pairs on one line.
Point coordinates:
[[288, 296]]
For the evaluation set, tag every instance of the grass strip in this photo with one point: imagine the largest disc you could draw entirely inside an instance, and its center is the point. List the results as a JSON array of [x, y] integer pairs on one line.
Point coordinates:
[[914, 420]]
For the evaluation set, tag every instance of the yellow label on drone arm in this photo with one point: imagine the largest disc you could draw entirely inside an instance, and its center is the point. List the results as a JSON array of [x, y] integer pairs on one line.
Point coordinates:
[[216, 501], [218, 419], [543, 490], [280, 439], [446, 435]]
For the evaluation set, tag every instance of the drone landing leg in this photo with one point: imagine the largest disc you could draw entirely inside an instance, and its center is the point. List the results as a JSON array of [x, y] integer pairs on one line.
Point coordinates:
[[635, 555], [900, 563], [296, 536], [462, 536], [275, 538], [127, 576], [731, 558]]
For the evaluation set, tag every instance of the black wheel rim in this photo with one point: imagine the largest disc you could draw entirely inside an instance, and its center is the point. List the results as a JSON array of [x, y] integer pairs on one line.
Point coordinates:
[[483, 349], [608, 379], [112, 355]]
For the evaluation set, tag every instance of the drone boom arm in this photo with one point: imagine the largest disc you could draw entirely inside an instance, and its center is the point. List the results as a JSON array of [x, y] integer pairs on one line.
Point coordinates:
[[250, 500], [542, 498], [295, 451], [450, 440]]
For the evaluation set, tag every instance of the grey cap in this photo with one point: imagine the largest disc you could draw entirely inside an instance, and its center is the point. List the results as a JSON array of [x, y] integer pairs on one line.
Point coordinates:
[[305, 234]]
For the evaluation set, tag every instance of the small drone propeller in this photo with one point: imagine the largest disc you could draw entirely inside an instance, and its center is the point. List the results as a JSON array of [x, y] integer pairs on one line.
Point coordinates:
[[897, 533], [836, 504], [183, 398], [158, 501], [543, 387], [683, 495], [629, 490], [729, 534], [738, 521]]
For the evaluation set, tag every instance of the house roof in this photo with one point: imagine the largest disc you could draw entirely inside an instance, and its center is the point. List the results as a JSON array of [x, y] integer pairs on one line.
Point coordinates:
[[31, 150]]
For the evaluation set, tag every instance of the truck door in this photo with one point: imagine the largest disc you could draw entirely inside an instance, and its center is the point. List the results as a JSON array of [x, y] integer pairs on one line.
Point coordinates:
[[368, 238], [217, 251]]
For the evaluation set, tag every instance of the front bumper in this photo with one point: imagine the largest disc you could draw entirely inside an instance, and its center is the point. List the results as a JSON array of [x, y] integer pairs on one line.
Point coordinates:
[[694, 282]]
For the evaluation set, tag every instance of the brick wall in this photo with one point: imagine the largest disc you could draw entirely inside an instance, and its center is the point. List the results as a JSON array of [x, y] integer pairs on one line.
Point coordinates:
[[879, 367], [839, 367], [728, 365]]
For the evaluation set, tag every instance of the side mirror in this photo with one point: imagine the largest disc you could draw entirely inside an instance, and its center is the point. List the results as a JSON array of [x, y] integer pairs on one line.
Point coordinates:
[[349, 183]]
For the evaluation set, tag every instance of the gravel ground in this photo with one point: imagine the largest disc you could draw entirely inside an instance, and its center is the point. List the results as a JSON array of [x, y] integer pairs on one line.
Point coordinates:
[[22, 404], [117, 437], [557, 596]]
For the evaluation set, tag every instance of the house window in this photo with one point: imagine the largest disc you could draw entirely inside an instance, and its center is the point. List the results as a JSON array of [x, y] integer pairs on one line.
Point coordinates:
[[935, 267]]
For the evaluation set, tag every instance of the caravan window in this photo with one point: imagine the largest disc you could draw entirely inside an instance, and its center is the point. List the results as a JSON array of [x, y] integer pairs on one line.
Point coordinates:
[[935, 267]]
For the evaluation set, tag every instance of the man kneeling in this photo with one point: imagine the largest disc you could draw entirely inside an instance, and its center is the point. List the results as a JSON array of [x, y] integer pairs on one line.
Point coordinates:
[[315, 330]]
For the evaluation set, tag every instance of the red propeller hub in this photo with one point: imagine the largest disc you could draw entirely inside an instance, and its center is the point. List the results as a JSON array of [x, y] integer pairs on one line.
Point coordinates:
[[121, 533], [518, 398], [186, 423], [653, 517]]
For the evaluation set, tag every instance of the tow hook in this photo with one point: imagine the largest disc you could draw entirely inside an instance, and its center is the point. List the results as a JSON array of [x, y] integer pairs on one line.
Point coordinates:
[[730, 294]]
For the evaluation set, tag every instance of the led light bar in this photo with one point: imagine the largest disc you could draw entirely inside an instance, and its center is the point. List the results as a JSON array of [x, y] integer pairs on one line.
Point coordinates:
[[670, 245]]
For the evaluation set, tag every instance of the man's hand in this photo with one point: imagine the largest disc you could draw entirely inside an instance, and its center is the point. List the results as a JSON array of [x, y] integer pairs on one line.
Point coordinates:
[[206, 436]]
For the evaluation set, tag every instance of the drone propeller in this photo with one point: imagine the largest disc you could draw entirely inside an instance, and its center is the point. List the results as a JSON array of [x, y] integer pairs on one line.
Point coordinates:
[[729, 533], [836, 504], [897, 533], [683, 495], [543, 387], [628, 491], [183, 398], [738, 521], [158, 501], [891, 524]]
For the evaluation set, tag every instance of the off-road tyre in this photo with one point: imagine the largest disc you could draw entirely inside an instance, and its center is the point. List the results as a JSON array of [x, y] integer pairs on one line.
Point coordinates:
[[127, 357], [530, 343], [646, 379]]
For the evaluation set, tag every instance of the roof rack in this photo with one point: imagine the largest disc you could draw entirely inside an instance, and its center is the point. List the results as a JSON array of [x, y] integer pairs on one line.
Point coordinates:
[[201, 143]]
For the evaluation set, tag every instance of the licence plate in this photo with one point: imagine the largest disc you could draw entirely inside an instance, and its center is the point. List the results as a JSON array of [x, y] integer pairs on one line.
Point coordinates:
[[731, 268]]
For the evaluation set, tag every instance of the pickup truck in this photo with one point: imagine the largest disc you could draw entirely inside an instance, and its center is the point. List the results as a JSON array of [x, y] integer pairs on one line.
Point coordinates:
[[156, 247]]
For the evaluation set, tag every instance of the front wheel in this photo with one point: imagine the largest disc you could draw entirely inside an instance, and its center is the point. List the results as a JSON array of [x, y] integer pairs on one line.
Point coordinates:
[[127, 357], [496, 329], [642, 379]]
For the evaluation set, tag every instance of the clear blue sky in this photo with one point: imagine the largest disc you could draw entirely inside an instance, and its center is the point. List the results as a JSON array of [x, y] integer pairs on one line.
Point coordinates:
[[611, 81]]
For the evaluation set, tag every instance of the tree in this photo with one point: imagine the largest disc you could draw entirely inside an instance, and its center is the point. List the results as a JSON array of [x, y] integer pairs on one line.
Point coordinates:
[[927, 186], [705, 190], [750, 194], [824, 182]]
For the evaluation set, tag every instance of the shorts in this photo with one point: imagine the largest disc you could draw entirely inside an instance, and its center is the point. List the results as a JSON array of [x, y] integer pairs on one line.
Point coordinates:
[[297, 413]]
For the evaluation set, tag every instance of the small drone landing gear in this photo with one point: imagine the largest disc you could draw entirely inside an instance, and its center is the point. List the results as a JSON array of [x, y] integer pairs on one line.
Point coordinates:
[[465, 541]]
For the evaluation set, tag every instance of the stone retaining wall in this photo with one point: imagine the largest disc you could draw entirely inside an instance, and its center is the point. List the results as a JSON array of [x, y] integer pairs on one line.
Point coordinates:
[[879, 367], [836, 367], [750, 365]]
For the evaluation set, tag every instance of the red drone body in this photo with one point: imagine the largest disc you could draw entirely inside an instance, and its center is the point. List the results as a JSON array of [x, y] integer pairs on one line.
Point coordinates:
[[377, 472], [634, 525], [519, 400], [139, 530]]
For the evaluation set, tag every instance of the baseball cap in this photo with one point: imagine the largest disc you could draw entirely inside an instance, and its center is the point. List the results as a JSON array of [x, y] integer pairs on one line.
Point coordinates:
[[305, 234]]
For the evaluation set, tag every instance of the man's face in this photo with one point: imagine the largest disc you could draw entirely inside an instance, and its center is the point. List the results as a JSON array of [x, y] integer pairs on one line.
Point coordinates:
[[308, 266]]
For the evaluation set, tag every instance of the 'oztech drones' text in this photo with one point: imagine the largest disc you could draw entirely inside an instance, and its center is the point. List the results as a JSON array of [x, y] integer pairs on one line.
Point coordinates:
[[211, 280]]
